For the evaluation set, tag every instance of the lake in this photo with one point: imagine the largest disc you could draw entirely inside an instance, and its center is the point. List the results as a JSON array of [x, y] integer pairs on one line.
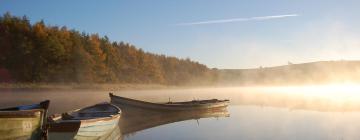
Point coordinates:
[[255, 112], [258, 123]]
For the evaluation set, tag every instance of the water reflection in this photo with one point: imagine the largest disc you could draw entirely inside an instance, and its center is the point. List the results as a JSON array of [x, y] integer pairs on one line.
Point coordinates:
[[136, 119], [258, 123]]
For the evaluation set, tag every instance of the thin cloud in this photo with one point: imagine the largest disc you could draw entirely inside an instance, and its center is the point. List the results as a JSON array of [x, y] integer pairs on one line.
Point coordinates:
[[237, 20]]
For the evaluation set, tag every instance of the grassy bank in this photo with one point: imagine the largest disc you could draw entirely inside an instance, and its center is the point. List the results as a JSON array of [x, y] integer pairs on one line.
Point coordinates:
[[73, 86]]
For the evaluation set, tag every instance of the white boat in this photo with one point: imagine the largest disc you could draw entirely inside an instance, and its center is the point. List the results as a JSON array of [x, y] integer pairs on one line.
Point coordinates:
[[93, 122]]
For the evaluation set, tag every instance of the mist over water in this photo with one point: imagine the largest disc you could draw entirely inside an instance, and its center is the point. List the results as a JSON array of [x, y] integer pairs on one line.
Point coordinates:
[[271, 112], [338, 98]]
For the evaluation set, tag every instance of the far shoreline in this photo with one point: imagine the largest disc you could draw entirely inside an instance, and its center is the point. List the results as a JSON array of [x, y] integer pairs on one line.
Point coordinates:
[[85, 86], [132, 86]]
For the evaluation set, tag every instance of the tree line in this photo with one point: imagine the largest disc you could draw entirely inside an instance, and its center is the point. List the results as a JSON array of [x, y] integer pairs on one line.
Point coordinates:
[[43, 53]]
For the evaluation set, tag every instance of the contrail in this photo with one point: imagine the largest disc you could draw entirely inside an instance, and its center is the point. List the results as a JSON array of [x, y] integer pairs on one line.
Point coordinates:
[[236, 20]]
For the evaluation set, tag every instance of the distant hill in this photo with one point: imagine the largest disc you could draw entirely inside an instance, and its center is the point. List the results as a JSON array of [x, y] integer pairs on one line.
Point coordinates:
[[305, 73]]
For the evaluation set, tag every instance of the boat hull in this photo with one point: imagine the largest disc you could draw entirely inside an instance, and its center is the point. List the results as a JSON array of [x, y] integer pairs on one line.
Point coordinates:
[[83, 129], [93, 122], [98, 128], [21, 124], [24, 122], [117, 100]]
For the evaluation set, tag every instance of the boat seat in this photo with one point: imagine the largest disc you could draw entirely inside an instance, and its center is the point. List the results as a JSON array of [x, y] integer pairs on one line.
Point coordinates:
[[94, 114], [66, 116], [86, 118], [90, 112]]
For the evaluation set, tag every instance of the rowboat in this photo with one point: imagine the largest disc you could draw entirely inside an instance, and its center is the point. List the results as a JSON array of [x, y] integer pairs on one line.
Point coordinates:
[[170, 106], [24, 122], [93, 122]]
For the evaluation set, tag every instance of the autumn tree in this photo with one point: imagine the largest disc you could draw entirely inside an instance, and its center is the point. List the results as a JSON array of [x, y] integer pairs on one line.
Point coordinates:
[[43, 53]]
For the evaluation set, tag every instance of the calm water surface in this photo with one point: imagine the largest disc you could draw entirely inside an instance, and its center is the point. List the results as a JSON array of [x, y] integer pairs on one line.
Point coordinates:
[[258, 123], [254, 113]]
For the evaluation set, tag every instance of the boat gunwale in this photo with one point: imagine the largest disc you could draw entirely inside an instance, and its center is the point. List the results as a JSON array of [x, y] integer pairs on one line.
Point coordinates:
[[90, 120], [59, 118], [32, 113]]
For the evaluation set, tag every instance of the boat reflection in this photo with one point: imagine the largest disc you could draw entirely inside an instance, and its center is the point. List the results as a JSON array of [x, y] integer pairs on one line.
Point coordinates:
[[135, 119]]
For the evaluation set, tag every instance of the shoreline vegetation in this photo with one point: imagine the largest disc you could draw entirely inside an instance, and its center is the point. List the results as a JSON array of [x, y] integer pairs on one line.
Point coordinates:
[[34, 52], [110, 87], [126, 86]]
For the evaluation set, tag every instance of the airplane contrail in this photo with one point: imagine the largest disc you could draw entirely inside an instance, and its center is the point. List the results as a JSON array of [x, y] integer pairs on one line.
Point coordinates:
[[237, 20]]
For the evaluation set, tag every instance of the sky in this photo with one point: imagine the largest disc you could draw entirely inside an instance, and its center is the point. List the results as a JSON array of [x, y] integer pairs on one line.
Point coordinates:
[[225, 34]]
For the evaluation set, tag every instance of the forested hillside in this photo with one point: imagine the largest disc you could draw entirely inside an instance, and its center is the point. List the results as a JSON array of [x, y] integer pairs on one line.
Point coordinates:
[[42, 53]]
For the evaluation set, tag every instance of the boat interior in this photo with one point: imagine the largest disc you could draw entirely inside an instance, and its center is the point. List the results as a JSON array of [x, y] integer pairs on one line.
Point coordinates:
[[99, 110], [44, 105], [197, 102]]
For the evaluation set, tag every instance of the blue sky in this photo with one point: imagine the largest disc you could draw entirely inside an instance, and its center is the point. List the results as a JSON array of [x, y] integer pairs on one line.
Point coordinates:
[[319, 30]]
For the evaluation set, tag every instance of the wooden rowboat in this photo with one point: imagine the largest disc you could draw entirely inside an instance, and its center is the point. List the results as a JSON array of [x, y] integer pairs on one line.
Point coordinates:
[[24, 122], [93, 122], [170, 106]]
